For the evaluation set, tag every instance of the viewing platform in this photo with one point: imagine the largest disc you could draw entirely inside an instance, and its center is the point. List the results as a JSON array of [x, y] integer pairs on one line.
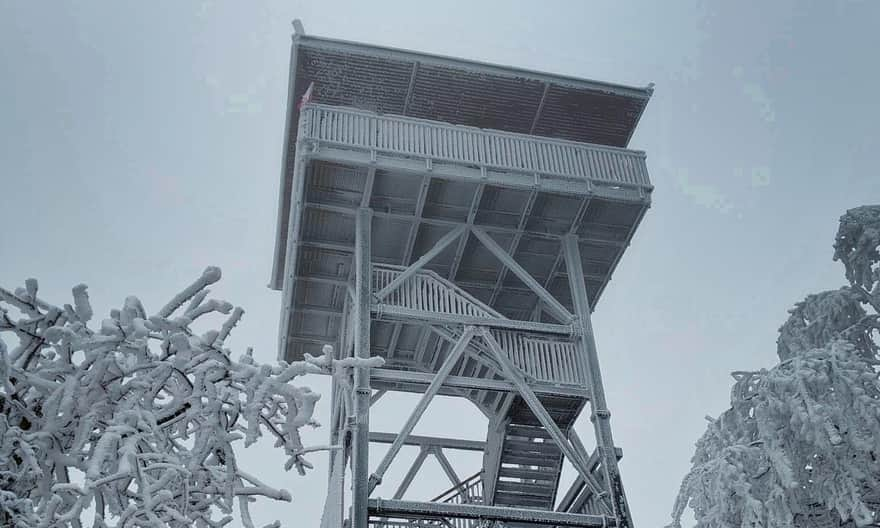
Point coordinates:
[[460, 152], [423, 178]]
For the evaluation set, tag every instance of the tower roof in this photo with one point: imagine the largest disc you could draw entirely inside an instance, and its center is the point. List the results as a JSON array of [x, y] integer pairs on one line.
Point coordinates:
[[451, 90], [464, 92]]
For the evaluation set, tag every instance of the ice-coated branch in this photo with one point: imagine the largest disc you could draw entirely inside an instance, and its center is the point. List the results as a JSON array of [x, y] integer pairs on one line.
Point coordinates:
[[857, 245], [146, 409], [800, 444]]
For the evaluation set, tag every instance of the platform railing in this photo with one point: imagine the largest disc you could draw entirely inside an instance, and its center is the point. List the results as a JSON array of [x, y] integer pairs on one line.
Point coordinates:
[[491, 149], [542, 359]]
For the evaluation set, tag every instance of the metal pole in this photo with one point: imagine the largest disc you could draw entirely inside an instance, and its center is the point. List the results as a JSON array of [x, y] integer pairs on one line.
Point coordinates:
[[601, 416], [363, 284]]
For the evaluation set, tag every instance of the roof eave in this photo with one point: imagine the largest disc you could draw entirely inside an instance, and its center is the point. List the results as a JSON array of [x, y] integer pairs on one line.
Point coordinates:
[[276, 279]]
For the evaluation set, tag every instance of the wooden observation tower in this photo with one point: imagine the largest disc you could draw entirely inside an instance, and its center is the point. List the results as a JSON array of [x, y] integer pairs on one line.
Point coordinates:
[[459, 220]]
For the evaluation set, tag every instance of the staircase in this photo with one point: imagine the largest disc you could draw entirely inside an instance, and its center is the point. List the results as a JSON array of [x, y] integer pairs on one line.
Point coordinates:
[[522, 462], [529, 462], [529, 468]]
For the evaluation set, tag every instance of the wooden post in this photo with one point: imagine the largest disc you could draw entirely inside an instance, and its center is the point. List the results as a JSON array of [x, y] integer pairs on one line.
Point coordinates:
[[361, 428], [601, 416]]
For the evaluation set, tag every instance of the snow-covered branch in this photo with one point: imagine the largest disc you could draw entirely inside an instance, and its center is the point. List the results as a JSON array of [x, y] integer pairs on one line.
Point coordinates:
[[142, 410], [800, 445]]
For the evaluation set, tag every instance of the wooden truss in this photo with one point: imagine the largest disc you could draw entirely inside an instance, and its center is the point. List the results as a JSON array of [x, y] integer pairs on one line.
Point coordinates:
[[524, 368]]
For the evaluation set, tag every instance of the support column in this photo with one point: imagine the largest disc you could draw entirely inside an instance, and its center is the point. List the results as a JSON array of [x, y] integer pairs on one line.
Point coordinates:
[[361, 428], [601, 416]]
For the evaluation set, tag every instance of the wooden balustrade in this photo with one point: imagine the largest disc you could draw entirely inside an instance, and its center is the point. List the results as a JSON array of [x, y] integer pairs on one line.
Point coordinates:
[[541, 359], [491, 149], [544, 360], [428, 292]]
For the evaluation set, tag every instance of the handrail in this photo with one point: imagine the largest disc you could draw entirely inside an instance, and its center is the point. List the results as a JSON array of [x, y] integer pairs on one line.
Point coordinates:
[[543, 359], [428, 290], [495, 131], [465, 485], [539, 358], [493, 149]]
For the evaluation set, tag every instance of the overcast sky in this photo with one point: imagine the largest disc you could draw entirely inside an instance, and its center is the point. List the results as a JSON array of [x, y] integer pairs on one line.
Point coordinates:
[[141, 142]]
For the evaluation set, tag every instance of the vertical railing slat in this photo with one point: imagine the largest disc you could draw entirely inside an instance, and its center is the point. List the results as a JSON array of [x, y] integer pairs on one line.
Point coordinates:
[[475, 147]]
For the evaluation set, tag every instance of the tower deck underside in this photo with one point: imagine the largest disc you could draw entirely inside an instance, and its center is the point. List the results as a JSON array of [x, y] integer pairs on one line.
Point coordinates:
[[525, 192]]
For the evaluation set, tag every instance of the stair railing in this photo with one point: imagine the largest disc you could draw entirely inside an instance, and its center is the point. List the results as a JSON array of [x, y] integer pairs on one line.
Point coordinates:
[[470, 491], [426, 291]]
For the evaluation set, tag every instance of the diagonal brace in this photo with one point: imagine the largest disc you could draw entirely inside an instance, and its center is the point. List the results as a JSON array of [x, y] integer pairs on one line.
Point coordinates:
[[413, 471], [531, 399], [376, 396], [553, 306], [411, 270], [447, 467], [417, 413]]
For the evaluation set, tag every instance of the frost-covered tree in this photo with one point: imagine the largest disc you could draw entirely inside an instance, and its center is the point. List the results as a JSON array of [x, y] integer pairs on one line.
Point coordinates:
[[800, 444], [138, 417]]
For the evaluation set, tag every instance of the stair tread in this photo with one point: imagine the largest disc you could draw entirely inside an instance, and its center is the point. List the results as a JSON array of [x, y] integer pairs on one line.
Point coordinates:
[[530, 459], [528, 473], [513, 499], [521, 446], [525, 488], [529, 431]]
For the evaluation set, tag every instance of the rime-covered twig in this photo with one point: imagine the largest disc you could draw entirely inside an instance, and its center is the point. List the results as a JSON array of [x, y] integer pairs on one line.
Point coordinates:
[[146, 409], [800, 444]]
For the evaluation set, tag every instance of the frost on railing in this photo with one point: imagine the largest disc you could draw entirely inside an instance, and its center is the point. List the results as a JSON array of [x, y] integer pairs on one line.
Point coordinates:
[[426, 291], [542, 359], [470, 491], [434, 140]]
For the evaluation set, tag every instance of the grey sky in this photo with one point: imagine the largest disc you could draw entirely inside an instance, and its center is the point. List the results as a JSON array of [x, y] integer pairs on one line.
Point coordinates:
[[140, 142]]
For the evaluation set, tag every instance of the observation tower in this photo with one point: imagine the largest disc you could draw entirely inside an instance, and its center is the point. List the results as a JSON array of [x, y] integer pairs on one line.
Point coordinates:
[[459, 220]]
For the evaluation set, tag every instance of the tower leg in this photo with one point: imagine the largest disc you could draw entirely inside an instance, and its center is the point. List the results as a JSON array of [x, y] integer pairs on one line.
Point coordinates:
[[361, 427], [601, 416]]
